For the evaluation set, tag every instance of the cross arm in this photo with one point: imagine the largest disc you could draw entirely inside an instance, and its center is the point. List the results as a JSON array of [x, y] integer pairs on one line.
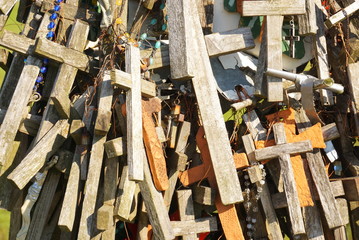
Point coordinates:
[[62, 54], [16, 42], [208, 224], [277, 7], [278, 150], [123, 80]]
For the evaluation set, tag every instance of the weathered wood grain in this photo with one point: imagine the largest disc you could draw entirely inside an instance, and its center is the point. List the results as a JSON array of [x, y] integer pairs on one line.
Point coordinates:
[[208, 224], [353, 77], [210, 109], [204, 195], [6, 5], [17, 106], [320, 178], [275, 7], [354, 216], [134, 115], [229, 42], [68, 210], [115, 147], [289, 148], [155, 205], [42, 151], [181, 35], [343, 14], [62, 54], [43, 206], [290, 187], [124, 81], [351, 187], [125, 196], [161, 57], [307, 22], [95, 164], [186, 210]]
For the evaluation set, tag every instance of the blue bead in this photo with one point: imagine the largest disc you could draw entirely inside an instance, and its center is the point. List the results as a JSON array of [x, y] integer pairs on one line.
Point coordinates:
[[164, 27], [51, 25], [162, 6], [43, 70], [39, 79], [153, 21], [46, 61], [143, 36], [157, 45], [57, 8], [151, 60], [53, 16], [50, 35], [59, 1], [25, 60], [166, 17]]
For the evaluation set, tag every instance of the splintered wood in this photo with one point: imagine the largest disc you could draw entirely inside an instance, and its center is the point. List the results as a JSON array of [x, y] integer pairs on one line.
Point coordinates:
[[177, 120]]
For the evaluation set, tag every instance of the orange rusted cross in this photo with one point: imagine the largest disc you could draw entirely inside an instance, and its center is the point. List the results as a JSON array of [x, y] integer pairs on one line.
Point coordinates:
[[305, 193], [227, 213]]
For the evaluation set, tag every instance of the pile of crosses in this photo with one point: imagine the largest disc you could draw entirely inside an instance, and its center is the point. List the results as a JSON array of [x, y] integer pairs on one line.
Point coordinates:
[[123, 135]]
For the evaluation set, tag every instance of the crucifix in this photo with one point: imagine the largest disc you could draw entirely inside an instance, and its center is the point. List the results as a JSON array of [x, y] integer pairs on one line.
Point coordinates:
[[227, 213], [186, 37], [272, 55], [292, 38]]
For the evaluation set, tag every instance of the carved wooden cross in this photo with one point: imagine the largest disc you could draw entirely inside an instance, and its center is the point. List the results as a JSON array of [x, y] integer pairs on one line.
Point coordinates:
[[227, 213], [186, 38], [188, 227], [274, 12], [283, 150]]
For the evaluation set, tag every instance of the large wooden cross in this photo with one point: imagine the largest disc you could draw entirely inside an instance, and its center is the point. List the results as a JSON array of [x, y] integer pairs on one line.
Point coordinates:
[[283, 150], [227, 213], [186, 38], [272, 55]]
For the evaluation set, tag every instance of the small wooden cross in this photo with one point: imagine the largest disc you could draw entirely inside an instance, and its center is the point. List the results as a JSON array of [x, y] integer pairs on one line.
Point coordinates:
[[227, 213], [188, 227], [292, 39], [283, 150]]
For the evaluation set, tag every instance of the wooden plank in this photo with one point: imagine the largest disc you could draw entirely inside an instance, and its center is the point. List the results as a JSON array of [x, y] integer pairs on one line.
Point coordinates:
[[123, 79], [320, 177], [186, 210], [125, 196], [42, 151], [274, 56], [307, 22], [353, 77], [204, 195], [7, 5], [277, 150], [16, 42], [211, 113], [277, 7], [180, 36], [351, 187], [17, 105], [62, 54], [354, 216], [290, 187], [68, 211], [330, 132], [321, 53], [95, 163], [155, 205], [229, 42], [43, 206], [313, 225], [3, 19], [208, 224], [161, 57], [134, 115], [184, 132], [343, 14], [115, 147]]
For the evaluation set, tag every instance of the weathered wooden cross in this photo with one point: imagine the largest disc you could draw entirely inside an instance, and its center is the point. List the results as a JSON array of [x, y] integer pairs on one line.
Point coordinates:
[[186, 38], [274, 12], [283, 150], [188, 227], [227, 213]]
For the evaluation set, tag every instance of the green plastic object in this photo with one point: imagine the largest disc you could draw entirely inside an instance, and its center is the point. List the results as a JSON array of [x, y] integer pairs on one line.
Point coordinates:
[[230, 5]]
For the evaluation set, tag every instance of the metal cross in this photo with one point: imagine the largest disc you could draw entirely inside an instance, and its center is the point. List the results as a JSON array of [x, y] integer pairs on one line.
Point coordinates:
[[292, 38]]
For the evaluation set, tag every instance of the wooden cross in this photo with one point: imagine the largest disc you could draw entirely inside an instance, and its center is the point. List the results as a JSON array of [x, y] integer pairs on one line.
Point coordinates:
[[274, 12], [283, 150], [95, 163], [292, 38], [7, 5], [227, 213], [188, 227], [198, 66]]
